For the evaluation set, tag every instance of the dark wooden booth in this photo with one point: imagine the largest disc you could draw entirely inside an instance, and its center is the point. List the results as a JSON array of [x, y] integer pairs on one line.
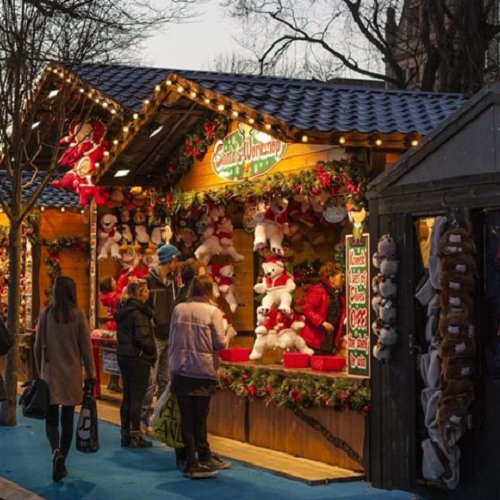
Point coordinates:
[[456, 170]]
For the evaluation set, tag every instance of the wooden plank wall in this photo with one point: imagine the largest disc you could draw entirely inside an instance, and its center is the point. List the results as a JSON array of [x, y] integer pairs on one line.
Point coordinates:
[[55, 224]]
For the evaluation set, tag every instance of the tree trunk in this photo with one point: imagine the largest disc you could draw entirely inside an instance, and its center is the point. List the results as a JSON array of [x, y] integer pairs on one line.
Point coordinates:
[[8, 414]]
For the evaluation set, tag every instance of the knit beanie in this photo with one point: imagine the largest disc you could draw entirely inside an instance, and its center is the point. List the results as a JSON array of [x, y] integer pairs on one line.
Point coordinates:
[[166, 253]]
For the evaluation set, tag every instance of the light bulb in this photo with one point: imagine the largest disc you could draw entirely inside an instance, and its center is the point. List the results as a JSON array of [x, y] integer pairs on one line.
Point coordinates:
[[268, 126], [342, 140], [126, 129], [305, 138], [193, 94], [136, 116], [221, 107], [157, 88], [235, 114]]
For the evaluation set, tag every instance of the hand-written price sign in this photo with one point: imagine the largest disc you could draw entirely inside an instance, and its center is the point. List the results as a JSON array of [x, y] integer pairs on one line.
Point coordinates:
[[358, 306]]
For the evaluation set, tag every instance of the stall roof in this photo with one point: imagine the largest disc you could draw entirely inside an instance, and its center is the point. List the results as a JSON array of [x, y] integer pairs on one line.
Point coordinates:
[[463, 148], [303, 104], [50, 196]]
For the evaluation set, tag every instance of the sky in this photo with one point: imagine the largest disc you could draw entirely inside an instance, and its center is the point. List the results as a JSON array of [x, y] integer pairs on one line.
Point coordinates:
[[193, 45]]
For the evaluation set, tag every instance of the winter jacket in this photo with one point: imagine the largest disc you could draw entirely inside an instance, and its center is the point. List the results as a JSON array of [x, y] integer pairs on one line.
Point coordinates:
[[196, 333], [182, 295], [318, 308], [59, 351], [162, 301], [135, 331]]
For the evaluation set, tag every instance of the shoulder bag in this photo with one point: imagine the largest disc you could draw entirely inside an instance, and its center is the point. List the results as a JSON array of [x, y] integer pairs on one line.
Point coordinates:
[[35, 400]]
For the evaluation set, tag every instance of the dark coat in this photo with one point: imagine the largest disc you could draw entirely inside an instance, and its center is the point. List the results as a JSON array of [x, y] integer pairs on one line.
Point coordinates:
[[59, 358], [162, 301], [135, 331]]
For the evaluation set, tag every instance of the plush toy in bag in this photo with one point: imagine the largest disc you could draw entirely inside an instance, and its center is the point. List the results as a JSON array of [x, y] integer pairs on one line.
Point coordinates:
[[271, 226], [278, 286]]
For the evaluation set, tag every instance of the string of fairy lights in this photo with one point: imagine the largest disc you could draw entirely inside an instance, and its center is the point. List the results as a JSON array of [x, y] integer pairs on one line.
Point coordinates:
[[202, 96]]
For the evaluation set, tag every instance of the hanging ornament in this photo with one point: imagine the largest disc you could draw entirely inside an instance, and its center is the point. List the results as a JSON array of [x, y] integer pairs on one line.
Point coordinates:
[[334, 209]]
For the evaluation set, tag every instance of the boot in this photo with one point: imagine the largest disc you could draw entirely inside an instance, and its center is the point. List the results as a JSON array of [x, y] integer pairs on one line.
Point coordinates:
[[126, 439], [58, 466], [138, 442]]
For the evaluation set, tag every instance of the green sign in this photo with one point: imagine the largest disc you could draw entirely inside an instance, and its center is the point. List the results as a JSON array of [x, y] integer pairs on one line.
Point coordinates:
[[246, 153], [358, 306]]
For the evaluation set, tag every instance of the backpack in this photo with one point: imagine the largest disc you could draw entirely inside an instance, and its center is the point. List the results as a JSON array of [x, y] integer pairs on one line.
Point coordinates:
[[6, 340]]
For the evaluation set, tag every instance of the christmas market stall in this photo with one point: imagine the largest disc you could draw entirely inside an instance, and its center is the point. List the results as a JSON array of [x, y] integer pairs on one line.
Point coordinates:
[[262, 182], [434, 426], [55, 240]]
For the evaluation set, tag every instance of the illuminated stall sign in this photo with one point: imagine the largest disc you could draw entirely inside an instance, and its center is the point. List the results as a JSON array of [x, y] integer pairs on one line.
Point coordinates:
[[246, 153], [358, 306]]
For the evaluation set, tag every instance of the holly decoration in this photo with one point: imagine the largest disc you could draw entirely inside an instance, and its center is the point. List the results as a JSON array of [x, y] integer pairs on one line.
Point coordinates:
[[53, 260], [295, 391], [195, 147], [347, 177]]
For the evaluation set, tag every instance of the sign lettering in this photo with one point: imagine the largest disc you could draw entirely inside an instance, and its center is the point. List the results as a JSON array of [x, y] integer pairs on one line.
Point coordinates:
[[358, 309], [246, 153]]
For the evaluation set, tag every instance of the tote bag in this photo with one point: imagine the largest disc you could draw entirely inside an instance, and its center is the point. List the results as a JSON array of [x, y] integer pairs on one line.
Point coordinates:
[[87, 434], [167, 427]]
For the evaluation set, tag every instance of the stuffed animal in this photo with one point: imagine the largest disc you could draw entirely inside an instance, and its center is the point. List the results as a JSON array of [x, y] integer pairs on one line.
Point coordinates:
[[387, 312], [459, 264], [271, 225], [455, 241], [83, 137], [223, 229], [386, 250], [125, 217], [108, 238], [457, 346], [263, 343], [455, 324], [317, 201], [223, 277], [140, 231], [116, 198], [388, 287], [228, 328], [289, 337], [84, 185], [357, 217], [381, 352], [278, 286], [388, 336], [210, 244], [389, 267]]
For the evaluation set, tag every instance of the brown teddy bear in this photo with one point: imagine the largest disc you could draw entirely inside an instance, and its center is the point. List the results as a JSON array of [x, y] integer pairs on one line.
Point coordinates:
[[453, 301], [452, 420], [461, 346], [455, 324], [456, 368], [455, 241], [459, 264], [462, 390], [457, 281]]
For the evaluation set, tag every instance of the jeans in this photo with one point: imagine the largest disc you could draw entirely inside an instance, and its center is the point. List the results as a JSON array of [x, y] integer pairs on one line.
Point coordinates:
[[194, 415], [159, 377], [135, 375], [63, 441], [203, 448]]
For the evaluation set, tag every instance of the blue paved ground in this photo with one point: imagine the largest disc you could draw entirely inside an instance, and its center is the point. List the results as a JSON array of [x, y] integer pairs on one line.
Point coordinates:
[[118, 474]]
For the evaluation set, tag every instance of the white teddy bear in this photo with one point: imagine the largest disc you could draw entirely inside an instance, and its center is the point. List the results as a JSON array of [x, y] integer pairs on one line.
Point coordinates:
[[271, 225], [223, 230], [289, 339], [210, 244], [223, 276], [277, 285], [140, 230], [109, 238]]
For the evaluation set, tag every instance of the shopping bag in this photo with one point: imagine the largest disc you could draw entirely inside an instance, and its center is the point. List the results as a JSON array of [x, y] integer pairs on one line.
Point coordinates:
[[87, 435], [6, 339], [35, 399], [160, 404], [168, 425]]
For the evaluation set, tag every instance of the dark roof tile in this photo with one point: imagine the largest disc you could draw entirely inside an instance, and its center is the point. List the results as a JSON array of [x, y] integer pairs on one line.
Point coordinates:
[[300, 103]]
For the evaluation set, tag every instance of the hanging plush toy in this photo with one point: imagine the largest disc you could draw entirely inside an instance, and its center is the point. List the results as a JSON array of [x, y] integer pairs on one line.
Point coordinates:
[[210, 244], [223, 229], [223, 276], [108, 238], [278, 286], [266, 335], [271, 226]]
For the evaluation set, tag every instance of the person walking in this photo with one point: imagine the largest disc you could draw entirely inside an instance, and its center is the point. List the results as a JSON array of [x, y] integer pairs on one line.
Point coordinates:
[[62, 342], [196, 333], [190, 269], [162, 288], [136, 353]]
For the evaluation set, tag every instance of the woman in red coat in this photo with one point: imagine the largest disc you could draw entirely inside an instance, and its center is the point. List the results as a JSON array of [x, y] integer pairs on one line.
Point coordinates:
[[324, 311]]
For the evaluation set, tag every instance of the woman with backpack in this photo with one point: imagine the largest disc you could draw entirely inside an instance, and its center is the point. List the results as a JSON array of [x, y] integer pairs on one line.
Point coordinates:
[[62, 342]]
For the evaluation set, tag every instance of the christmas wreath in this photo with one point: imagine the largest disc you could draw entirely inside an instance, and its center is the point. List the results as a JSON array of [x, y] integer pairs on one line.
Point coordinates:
[[346, 177], [53, 260], [296, 392]]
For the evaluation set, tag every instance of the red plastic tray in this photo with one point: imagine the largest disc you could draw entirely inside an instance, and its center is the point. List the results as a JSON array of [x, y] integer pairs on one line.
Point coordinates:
[[295, 360], [235, 354], [328, 363]]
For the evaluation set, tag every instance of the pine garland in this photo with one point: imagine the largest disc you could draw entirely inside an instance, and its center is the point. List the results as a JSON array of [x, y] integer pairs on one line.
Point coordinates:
[[296, 392], [53, 259], [195, 146], [348, 177]]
